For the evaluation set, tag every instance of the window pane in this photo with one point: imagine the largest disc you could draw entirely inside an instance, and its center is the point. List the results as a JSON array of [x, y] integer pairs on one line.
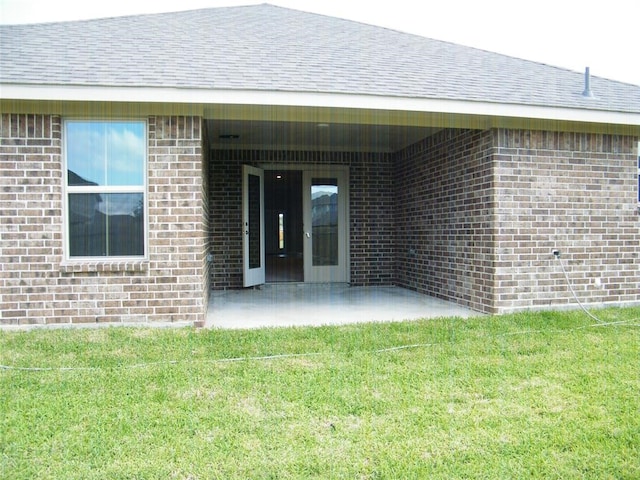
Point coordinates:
[[324, 205], [109, 224], [105, 153], [281, 231]]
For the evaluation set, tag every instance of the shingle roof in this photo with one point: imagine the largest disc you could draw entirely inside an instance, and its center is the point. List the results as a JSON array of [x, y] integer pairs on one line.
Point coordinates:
[[270, 48]]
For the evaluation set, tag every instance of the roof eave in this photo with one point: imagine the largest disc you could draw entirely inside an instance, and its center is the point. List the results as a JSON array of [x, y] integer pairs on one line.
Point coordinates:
[[211, 97]]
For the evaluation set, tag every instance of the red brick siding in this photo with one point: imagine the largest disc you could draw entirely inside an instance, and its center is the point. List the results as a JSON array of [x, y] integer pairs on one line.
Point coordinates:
[[371, 218], [444, 213], [574, 192], [38, 286]]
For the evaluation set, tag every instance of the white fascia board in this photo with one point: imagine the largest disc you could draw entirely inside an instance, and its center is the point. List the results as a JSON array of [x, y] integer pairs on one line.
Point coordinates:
[[167, 95]]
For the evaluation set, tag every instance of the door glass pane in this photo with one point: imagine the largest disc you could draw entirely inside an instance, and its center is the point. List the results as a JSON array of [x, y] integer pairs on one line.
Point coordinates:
[[324, 219], [254, 221]]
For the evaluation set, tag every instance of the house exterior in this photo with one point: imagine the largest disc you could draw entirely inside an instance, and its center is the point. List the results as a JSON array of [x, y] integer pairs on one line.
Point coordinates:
[[148, 160]]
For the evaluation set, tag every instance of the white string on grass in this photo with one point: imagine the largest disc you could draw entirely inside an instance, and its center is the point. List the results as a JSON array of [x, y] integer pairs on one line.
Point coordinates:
[[295, 355]]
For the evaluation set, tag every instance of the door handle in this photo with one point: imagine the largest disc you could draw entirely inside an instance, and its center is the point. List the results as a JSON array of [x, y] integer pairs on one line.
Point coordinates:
[[308, 235]]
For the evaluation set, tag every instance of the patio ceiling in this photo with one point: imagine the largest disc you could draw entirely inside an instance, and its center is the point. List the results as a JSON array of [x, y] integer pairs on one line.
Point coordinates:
[[316, 136]]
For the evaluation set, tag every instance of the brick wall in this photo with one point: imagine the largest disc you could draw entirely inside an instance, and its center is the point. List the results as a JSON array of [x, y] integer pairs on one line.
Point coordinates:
[[37, 285], [205, 222], [30, 217], [574, 192], [444, 212], [178, 233], [467, 216], [478, 214], [371, 216]]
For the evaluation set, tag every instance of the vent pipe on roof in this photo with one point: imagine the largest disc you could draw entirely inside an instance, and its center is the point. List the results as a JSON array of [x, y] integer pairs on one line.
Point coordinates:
[[587, 84]]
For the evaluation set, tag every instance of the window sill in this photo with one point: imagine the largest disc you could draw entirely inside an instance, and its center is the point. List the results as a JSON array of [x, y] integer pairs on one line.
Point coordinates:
[[91, 266]]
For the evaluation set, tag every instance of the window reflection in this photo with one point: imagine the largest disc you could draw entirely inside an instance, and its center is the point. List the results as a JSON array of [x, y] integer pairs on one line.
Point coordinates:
[[109, 224], [324, 205], [105, 153]]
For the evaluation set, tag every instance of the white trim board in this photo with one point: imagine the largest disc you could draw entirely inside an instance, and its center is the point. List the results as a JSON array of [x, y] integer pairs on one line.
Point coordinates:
[[202, 97]]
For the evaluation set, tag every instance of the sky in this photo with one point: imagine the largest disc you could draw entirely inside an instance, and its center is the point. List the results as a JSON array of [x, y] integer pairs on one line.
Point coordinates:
[[566, 33]]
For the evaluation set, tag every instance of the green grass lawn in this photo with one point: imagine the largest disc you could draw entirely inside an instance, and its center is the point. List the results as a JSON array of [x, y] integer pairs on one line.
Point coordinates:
[[544, 395]]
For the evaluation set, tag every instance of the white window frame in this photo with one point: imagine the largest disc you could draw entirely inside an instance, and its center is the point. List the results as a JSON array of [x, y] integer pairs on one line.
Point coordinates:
[[67, 189]]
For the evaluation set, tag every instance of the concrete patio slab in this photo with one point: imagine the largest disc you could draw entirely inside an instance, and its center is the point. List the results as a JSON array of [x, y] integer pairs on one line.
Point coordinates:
[[298, 304]]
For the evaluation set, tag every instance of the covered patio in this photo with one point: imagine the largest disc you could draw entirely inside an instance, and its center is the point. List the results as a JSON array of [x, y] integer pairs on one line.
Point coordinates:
[[299, 304]]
